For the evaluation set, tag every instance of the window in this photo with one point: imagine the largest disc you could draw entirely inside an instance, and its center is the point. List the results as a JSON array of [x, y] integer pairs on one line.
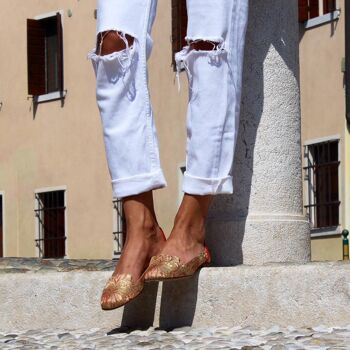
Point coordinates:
[[1, 228], [322, 176], [119, 228], [50, 214], [313, 8], [179, 26], [45, 55]]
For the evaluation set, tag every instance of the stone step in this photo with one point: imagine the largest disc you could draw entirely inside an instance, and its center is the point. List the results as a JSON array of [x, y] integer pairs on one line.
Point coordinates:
[[65, 294]]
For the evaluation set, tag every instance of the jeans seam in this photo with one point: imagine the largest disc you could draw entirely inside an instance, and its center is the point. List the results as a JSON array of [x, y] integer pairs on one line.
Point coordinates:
[[148, 115], [229, 52], [232, 49], [238, 91]]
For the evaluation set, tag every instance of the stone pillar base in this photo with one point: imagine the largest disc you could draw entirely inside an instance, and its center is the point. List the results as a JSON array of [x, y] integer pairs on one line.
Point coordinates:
[[259, 239]]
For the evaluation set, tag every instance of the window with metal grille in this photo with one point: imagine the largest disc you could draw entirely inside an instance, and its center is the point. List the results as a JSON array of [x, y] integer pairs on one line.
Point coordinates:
[[119, 228], [45, 55], [1, 228], [179, 27], [313, 8], [50, 214], [322, 176]]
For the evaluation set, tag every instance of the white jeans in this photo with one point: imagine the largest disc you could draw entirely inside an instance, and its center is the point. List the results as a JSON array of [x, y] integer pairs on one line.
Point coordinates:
[[215, 79]]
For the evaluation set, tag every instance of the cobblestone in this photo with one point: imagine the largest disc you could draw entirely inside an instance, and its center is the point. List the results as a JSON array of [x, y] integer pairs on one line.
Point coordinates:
[[243, 338], [21, 265]]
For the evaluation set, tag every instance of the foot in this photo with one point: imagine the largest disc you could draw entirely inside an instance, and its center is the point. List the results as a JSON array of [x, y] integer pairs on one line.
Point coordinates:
[[125, 283], [144, 239], [184, 242], [182, 256], [142, 243]]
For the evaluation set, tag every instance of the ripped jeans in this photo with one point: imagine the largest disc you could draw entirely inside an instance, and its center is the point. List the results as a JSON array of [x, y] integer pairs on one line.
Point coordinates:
[[215, 80]]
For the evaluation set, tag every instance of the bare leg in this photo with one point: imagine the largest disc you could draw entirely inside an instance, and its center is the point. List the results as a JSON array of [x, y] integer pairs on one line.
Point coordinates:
[[144, 236], [187, 236], [120, 66], [111, 42]]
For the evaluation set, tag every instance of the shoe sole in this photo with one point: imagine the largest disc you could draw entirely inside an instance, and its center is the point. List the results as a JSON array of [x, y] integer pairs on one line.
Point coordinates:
[[163, 279]]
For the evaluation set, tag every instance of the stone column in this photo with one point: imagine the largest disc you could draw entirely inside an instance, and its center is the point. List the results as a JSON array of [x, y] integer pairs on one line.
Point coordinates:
[[263, 220]]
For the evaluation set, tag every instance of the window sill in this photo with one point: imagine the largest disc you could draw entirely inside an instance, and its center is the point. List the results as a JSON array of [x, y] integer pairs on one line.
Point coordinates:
[[57, 95], [325, 232], [328, 17]]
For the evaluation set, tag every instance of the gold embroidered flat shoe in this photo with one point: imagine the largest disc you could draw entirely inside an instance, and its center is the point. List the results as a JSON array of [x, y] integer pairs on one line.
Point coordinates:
[[119, 290], [164, 267]]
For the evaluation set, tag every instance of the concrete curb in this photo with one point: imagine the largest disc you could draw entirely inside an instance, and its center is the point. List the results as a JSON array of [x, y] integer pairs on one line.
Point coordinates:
[[274, 294]]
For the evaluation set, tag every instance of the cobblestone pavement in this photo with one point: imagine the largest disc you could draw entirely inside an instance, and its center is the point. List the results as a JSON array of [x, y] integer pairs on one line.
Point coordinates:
[[21, 265], [246, 338]]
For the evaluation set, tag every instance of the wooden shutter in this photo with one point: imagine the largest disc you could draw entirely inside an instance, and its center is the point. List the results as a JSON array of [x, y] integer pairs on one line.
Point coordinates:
[[183, 22], [328, 6], [314, 8], [36, 57], [303, 10], [59, 51], [179, 25], [175, 38]]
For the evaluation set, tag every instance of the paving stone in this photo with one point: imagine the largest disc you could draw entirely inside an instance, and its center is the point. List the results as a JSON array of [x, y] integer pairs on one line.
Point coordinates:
[[273, 338], [22, 265]]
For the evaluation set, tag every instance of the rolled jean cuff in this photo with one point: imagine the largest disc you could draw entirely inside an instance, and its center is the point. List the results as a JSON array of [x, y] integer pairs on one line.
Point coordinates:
[[129, 186], [202, 186]]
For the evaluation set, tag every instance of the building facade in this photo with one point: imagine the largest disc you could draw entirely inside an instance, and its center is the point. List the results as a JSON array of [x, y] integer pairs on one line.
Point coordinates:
[[325, 131], [55, 193], [56, 197]]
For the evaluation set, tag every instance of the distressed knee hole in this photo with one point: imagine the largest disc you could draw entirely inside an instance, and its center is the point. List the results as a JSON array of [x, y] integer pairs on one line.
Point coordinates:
[[112, 41], [212, 48], [204, 45]]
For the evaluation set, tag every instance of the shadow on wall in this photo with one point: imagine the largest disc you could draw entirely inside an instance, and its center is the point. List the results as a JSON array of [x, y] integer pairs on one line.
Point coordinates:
[[228, 214], [226, 224], [146, 302], [177, 308]]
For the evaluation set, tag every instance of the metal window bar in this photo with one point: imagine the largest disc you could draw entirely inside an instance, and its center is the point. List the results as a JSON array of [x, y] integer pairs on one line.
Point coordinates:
[[321, 174], [50, 214], [119, 231]]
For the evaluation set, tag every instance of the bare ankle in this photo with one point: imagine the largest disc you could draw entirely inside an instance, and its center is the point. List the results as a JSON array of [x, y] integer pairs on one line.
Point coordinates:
[[189, 223], [139, 213], [188, 233], [142, 223]]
